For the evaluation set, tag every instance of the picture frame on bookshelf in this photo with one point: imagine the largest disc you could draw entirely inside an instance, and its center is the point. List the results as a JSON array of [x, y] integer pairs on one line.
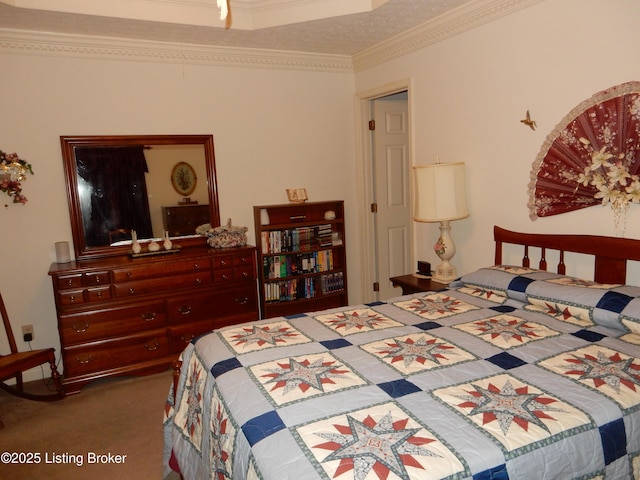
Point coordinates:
[[297, 195]]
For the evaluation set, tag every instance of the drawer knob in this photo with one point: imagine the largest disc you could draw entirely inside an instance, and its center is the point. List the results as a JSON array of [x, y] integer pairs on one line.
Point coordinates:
[[223, 262], [85, 360], [245, 274], [198, 281], [129, 274], [80, 328], [72, 298], [225, 276], [97, 279], [184, 310], [69, 282], [131, 291], [187, 338], [196, 266], [99, 294], [153, 347], [148, 316], [242, 300]]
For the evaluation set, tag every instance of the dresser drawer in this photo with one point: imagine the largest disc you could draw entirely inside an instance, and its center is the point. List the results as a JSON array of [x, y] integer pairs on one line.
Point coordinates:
[[63, 282], [71, 297], [97, 278], [98, 293], [112, 322], [240, 273], [240, 300], [223, 275], [165, 269], [223, 261], [109, 355], [157, 285], [181, 335]]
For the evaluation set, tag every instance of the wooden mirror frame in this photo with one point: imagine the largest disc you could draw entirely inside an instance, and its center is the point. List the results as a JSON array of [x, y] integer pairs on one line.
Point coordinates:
[[69, 144]]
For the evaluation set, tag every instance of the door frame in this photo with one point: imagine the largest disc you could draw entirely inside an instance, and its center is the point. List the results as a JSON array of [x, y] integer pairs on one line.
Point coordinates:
[[364, 152]]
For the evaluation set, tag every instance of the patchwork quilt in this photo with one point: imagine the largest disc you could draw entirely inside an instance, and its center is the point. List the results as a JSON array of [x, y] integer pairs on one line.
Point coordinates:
[[510, 374]]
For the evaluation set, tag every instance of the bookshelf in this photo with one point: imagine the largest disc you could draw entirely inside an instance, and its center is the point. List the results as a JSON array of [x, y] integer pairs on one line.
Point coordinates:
[[302, 260]]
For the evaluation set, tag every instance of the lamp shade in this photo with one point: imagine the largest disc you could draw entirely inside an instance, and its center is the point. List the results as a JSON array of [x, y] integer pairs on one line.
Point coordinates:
[[440, 192]]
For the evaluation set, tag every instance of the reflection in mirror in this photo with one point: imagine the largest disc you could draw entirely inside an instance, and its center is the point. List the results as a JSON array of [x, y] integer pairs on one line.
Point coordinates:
[[150, 184]]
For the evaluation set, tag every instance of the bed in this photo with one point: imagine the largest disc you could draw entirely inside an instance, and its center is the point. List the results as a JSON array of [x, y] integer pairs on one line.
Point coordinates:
[[514, 371]]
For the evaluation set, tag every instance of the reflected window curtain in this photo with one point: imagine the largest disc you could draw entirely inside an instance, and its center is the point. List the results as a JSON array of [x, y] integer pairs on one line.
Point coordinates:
[[113, 180]]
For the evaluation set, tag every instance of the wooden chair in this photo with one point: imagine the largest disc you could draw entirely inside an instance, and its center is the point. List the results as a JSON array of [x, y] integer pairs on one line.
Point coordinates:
[[13, 364]]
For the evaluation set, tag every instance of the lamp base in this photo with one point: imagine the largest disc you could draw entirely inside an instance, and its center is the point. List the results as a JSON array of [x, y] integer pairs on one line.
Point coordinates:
[[445, 273], [445, 249]]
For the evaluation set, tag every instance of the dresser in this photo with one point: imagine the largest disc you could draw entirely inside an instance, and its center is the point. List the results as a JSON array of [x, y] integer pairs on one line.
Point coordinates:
[[124, 316], [184, 219]]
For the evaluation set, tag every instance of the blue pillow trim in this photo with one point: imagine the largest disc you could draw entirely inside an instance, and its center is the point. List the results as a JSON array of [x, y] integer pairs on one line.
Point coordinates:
[[614, 301], [520, 284]]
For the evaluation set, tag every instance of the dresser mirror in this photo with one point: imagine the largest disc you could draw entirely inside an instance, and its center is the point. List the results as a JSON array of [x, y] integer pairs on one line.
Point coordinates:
[[116, 184]]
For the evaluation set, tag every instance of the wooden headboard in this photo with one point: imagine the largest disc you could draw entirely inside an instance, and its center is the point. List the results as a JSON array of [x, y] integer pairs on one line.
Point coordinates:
[[610, 253]]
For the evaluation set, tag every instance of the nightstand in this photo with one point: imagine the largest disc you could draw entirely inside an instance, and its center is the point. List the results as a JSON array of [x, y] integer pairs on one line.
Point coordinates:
[[414, 284]]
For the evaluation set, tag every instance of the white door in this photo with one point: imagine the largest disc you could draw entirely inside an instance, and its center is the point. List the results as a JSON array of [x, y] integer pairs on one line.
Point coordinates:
[[391, 171]]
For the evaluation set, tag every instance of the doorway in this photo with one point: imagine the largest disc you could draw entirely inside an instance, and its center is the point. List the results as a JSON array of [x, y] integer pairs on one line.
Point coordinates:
[[385, 159]]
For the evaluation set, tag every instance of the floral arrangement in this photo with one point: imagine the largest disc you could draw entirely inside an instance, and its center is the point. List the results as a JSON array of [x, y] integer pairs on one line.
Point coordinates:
[[13, 171], [224, 236], [610, 175]]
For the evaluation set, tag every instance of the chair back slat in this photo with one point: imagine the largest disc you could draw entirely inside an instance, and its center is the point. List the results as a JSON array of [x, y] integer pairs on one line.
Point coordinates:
[[7, 327]]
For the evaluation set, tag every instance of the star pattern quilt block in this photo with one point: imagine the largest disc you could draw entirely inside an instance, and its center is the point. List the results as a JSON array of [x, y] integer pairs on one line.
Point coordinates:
[[223, 433], [633, 324], [259, 336], [293, 379], [378, 442], [189, 415], [350, 322], [417, 353], [579, 282], [518, 415], [633, 338], [507, 331], [490, 294], [608, 371], [513, 269], [573, 314], [435, 306]]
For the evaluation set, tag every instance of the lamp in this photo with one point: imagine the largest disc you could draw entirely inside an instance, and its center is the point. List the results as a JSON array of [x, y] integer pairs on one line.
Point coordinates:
[[440, 197]]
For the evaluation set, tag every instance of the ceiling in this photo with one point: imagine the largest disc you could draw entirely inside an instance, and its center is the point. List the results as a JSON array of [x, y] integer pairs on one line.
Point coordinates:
[[335, 27]]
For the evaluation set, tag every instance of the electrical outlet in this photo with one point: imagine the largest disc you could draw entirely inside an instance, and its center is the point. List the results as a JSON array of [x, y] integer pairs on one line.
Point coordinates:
[[27, 333]]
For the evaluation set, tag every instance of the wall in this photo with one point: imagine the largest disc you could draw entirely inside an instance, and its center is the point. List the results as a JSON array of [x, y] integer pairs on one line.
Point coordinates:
[[277, 129], [273, 129], [470, 92]]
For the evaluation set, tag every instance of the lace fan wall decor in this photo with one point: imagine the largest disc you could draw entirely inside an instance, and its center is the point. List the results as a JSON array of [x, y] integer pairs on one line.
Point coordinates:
[[591, 157]]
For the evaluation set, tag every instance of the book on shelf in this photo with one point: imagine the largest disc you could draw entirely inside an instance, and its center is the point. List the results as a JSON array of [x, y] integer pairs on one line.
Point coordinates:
[[296, 239], [280, 266]]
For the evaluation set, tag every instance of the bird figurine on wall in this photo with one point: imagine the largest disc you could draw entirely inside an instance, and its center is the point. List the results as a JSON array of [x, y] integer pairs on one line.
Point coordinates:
[[528, 121]]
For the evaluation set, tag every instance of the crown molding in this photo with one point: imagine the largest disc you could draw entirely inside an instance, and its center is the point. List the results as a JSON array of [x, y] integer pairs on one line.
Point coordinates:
[[462, 19], [459, 20], [20, 42]]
